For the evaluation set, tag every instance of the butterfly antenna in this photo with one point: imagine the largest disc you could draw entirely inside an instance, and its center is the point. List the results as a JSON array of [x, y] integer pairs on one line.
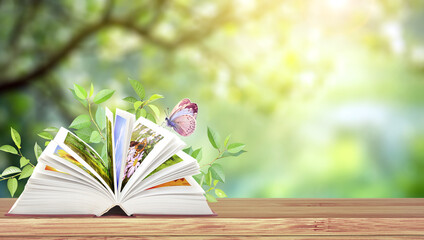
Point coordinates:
[[166, 114]]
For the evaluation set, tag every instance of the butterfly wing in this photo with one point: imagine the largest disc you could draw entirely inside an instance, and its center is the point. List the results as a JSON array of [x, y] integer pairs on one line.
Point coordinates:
[[184, 125], [184, 107], [180, 105]]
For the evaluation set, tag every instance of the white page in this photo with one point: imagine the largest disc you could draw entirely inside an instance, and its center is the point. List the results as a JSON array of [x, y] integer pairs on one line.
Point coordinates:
[[180, 200], [148, 141], [71, 169], [110, 150], [122, 133], [49, 195], [178, 166], [91, 157]]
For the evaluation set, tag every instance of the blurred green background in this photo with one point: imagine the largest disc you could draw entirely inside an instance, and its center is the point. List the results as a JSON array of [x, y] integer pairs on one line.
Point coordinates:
[[328, 95]]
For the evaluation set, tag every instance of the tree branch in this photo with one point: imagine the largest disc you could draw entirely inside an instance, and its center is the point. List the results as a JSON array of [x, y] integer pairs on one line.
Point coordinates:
[[108, 9], [188, 36], [52, 62]]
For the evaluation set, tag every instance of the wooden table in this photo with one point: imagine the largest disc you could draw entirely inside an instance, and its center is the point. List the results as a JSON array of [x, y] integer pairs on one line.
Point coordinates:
[[241, 218]]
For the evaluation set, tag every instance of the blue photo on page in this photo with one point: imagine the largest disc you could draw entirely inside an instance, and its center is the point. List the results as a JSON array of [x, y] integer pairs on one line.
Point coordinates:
[[119, 140]]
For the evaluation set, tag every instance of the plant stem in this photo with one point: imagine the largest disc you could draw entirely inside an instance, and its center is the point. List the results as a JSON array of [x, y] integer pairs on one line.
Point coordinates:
[[92, 119], [20, 154], [210, 164], [3, 178]]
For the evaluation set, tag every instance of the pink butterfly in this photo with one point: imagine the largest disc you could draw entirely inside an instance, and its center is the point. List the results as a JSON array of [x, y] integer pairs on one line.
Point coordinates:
[[183, 117]]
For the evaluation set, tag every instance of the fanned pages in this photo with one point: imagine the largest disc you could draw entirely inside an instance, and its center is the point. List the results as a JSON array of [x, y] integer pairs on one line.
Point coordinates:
[[145, 172]]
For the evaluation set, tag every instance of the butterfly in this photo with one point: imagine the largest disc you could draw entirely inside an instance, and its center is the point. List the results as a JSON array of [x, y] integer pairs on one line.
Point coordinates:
[[183, 117], [139, 146]]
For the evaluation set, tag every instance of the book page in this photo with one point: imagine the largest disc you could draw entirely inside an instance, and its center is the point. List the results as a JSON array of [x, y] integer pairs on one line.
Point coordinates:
[[150, 146], [143, 140], [48, 168], [54, 149], [184, 185], [110, 149], [173, 183], [60, 152], [171, 161], [121, 136], [85, 154], [176, 167]]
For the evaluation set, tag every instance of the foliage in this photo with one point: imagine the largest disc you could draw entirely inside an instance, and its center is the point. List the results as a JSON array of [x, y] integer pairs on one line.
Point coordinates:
[[212, 173], [12, 173], [91, 130], [139, 103], [88, 128]]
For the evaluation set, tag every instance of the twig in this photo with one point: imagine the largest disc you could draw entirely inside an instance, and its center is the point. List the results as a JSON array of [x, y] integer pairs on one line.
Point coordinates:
[[5, 178], [92, 119]]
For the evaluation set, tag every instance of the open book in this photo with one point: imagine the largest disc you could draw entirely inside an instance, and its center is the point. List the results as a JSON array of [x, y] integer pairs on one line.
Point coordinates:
[[145, 173]]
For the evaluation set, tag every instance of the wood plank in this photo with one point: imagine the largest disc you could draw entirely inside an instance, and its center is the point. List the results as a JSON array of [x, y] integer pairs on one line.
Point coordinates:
[[244, 218], [305, 207], [228, 237]]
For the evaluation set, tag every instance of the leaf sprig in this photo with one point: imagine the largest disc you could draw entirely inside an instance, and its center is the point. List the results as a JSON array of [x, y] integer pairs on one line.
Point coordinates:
[[139, 104], [211, 172], [90, 127], [25, 168]]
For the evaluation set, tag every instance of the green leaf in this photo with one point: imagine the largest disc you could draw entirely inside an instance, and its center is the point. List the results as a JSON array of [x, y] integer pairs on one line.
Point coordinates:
[[226, 140], [138, 88], [220, 193], [208, 178], [23, 161], [12, 185], [151, 117], [45, 135], [197, 154], [84, 134], [82, 121], [235, 147], [16, 137], [210, 197], [228, 154], [130, 99], [141, 112], [215, 182], [213, 138], [204, 169], [202, 179], [9, 149], [95, 137], [46, 143], [137, 104], [26, 172], [155, 97], [103, 95], [37, 151], [198, 178], [101, 117], [131, 110], [10, 170], [155, 110], [84, 102], [51, 129], [188, 150], [80, 91], [103, 154], [217, 172], [91, 90]]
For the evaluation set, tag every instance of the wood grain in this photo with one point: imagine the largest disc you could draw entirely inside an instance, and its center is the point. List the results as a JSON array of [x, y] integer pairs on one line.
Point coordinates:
[[243, 219]]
